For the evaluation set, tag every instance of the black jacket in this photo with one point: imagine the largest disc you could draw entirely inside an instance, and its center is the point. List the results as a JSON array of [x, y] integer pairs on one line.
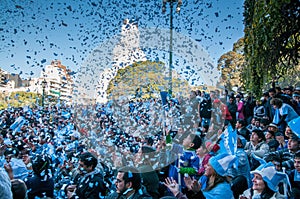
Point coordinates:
[[91, 186], [39, 187]]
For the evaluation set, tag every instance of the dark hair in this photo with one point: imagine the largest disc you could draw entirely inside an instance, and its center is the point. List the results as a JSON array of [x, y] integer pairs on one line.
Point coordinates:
[[242, 122], [297, 154], [266, 193], [276, 101], [150, 141], [197, 141], [147, 149], [217, 180], [260, 134], [295, 138], [148, 154], [266, 94], [264, 121], [131, 174], [278, 88], [18, 188], [41, 163], [272, 90], [11, 152], [88, 159], [273, 145]]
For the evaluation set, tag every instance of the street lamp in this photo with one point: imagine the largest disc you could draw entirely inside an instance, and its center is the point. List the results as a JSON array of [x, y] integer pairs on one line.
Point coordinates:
[[44, 84], [164, 7]]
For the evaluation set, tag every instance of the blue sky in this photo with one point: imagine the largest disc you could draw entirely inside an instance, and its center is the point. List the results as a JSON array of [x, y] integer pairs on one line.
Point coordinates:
[[34, 32]]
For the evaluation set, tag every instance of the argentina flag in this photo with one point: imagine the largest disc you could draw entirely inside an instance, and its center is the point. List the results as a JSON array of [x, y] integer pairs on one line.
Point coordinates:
[[16, 126], [295, 126], [228, 141]]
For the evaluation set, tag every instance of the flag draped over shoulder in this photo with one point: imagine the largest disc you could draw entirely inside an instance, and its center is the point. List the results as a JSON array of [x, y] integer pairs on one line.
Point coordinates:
[[228, 141]]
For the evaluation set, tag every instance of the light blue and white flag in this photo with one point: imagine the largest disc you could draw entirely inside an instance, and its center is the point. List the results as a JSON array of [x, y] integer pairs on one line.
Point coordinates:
[[66, 114], [228, 141], [270, 175], [16, 126], [295, 126]]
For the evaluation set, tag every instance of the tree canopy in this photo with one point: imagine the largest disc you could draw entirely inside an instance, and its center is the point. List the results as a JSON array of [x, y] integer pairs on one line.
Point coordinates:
[[231, 65], [272, 40], [143, 80], [19, 99]]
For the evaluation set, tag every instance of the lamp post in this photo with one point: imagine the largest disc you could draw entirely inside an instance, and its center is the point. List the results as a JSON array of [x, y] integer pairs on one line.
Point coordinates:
[[164, 7], [44, 84]]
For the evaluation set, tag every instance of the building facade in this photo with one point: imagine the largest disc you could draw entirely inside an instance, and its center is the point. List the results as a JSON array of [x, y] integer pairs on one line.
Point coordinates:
[[56, 81]]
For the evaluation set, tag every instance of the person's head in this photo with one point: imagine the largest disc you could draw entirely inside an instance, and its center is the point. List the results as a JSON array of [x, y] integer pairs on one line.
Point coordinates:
[[18, 188], [257, 122], [216, 103], [259, 101], [149, 141], [241, 141], [10, 153], [270, 135], [278, 89], [297, 161], [266, 95], [213, 94], [128, 179], [272, 127], [253, 121], [205, 128], [289, 90], [240, 123], [296, 96], [193, 94], [146, 154], [294, 143], [279, 136], [272, 92], [203, 149], [87, 162], [41, 165], [192, 141], [273, 144], [276, 103], [288, 132], [266, 179], [263, 123], [231, 99], [259, 184], [209, 170], [257, 136]]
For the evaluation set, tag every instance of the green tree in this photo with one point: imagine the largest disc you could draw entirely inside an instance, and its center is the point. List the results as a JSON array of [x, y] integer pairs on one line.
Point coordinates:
[[231, 65], [272, 41], [18, 99], [143, 80]]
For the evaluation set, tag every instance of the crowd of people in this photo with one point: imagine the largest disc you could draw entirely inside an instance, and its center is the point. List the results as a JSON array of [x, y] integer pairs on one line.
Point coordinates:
[[208, 145]]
